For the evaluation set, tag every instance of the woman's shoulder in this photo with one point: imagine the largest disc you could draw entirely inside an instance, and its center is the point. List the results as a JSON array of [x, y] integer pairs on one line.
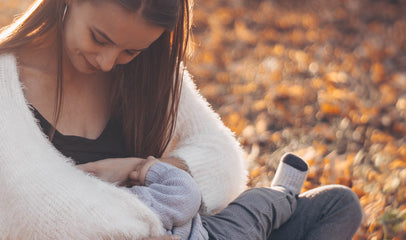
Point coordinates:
[[187, 79], [189, 87]]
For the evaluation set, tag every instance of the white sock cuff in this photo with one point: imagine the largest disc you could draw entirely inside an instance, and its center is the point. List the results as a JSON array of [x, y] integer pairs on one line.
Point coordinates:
[[289, 177]]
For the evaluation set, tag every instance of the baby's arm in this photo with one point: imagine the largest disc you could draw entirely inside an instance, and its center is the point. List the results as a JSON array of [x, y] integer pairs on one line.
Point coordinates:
[[171, 193]]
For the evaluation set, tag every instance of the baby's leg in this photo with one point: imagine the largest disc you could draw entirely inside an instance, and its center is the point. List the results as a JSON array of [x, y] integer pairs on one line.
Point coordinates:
[[330, 212], [289, 178], [256, 212]]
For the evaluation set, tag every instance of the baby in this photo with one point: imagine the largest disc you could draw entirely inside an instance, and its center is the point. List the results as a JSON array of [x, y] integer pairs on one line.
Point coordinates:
[[173, 195]]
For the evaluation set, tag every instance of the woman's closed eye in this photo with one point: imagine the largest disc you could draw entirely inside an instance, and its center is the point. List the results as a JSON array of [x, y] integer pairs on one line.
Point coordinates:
[[101, 43], [98, 42], [132, 53]]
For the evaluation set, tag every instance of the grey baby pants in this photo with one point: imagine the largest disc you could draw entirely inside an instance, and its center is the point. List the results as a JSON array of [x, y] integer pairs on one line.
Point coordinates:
[[329, 212]]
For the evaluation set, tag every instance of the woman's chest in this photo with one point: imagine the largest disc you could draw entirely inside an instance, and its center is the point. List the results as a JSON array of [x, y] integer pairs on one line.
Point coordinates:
[[85, 103]]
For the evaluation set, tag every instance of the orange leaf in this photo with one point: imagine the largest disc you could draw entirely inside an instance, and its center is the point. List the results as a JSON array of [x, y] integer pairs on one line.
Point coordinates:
[[398, 163], [330, 109]]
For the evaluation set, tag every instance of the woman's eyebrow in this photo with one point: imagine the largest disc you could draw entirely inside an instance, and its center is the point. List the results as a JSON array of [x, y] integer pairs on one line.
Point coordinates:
[[112, 42]]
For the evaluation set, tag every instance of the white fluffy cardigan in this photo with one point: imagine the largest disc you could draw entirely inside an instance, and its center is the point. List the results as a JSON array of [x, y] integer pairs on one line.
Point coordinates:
[[43, 195]]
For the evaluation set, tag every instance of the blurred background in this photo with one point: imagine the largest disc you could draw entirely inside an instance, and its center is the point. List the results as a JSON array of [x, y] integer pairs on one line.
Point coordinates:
[[323, 79]]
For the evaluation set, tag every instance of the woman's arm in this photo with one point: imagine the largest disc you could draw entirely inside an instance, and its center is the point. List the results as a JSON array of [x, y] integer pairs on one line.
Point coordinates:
[[209, 149]]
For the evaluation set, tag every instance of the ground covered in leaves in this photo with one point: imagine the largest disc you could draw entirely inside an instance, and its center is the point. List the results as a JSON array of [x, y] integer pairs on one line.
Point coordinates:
[[323, 79]]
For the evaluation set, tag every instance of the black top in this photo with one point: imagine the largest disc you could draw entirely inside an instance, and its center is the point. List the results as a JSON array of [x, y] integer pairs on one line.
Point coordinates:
[[110, 143]]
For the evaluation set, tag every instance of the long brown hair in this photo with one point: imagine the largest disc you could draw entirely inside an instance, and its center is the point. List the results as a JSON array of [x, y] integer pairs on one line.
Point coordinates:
[[146, 91]]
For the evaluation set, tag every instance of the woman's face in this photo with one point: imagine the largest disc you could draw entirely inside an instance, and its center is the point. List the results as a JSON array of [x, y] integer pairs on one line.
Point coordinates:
[[97, 36]]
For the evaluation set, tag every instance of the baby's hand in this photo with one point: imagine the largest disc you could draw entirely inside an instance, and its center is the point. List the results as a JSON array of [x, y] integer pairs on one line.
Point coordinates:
[[137, 177]]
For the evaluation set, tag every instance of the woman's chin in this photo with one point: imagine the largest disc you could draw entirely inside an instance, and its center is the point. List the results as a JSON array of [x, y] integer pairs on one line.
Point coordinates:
[[84, 67]]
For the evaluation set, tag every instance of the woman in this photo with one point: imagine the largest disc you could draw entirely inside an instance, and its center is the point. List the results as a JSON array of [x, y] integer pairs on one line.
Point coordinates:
[[94, 68]]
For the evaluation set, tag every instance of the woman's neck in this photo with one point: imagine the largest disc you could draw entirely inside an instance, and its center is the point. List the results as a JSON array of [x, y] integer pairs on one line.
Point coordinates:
[[40, 56]]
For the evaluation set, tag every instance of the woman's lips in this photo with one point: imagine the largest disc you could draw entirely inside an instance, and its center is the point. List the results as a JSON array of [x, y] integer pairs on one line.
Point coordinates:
[[90, 66]]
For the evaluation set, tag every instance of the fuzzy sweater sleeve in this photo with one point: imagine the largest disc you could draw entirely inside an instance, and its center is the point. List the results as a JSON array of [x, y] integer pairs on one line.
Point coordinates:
[[43, 196], [213, 155]]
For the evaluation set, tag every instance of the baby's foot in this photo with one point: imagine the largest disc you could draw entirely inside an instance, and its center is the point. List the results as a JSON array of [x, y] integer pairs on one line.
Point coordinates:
[[291, 173]]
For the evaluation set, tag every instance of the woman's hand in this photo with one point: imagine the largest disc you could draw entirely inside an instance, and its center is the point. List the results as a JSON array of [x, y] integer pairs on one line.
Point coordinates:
[[177, 162], [114, 170]]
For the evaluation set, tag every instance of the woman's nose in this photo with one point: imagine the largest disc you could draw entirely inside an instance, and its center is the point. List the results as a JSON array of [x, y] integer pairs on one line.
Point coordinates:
[[107, 59]]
